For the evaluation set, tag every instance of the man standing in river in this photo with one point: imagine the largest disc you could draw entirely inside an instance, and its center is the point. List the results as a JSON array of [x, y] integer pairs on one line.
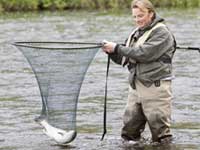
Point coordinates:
[[148, 54]]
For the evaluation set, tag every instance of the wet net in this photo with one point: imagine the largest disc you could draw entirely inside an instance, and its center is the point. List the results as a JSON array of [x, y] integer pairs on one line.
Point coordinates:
[[59, 68]]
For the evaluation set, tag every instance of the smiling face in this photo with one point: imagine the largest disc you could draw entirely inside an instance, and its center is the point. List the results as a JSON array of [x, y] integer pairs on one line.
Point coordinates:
[[142, 17]]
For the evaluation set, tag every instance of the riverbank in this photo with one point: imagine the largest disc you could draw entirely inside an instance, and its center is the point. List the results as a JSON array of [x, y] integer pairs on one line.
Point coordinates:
[[38, 5]]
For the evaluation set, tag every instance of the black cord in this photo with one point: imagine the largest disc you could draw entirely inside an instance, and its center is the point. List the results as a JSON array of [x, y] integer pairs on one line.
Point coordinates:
[[105, 100]]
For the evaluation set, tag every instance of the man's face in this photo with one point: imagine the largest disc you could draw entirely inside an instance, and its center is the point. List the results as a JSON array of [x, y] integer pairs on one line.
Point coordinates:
[[142, 17]]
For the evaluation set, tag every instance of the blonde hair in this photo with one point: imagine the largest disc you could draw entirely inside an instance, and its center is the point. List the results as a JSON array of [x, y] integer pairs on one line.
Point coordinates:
[[142, 4]]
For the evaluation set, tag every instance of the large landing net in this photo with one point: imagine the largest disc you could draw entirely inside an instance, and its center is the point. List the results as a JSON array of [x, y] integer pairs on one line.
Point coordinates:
[[59, 68]]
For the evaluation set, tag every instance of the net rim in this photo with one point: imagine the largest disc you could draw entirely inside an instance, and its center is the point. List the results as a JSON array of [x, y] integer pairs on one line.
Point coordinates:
[[25, 44]]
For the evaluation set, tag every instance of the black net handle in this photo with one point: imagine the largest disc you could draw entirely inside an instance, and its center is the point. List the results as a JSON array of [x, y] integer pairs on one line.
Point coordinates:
[[189, 48], [93, 45]]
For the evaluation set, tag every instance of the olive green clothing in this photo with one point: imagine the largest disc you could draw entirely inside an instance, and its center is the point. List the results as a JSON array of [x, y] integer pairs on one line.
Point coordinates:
[[151, 58], [150, 105]]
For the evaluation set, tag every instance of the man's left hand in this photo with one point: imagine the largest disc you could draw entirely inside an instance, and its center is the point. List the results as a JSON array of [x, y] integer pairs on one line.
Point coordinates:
[[108, 47]]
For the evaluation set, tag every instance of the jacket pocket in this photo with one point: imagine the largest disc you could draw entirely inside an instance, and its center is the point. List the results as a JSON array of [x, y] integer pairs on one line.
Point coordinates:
[[153, 71]]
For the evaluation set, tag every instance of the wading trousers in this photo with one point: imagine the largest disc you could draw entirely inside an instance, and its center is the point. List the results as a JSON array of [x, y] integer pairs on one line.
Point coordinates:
[[150, 105]]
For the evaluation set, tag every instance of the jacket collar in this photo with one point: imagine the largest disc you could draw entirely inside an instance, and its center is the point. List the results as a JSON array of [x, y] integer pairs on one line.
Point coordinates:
[[141, 31]]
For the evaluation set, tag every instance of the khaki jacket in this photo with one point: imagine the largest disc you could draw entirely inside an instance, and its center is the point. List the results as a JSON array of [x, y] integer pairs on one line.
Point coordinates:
[[149, 52]]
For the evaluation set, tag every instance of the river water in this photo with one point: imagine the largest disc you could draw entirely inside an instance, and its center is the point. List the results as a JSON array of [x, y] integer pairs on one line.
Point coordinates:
[[20, 100]]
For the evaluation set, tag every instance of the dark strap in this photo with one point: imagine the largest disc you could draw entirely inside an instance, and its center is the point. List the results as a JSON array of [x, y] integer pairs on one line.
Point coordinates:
[[105, 100], [166, 60]]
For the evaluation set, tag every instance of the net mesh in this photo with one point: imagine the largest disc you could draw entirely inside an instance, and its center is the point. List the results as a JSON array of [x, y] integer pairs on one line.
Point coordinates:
[[59, 68]]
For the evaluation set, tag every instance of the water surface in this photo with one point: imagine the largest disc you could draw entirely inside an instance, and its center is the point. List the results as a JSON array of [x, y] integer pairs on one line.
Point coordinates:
[[20, 100]]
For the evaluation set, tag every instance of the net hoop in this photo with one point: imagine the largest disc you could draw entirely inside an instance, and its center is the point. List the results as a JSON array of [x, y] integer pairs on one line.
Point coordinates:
[[84, 45], [59, 68]]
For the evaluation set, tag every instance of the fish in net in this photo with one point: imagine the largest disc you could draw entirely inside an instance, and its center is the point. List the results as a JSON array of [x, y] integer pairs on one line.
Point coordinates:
[[59, 68]]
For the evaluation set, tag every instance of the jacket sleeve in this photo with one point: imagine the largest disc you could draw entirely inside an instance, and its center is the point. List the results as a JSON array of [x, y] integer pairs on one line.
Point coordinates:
[[158, 43], [116, 57]]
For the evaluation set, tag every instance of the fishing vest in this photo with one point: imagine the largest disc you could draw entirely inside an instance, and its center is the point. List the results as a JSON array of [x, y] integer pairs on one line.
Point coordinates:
[[141, 40], [144, 37]]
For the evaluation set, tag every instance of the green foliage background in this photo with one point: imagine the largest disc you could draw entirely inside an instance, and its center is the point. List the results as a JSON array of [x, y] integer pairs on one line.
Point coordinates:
[[31, 5]]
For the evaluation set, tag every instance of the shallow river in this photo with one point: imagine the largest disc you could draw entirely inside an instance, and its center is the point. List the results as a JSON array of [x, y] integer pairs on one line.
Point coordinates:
[[20, 100]]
